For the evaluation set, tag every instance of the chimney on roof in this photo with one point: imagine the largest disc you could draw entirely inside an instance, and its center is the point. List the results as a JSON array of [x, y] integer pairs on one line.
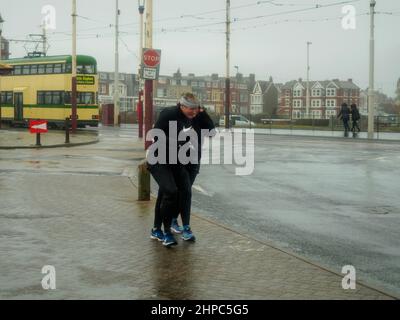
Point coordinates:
[[300, 79], [350, 80], [214, 76]]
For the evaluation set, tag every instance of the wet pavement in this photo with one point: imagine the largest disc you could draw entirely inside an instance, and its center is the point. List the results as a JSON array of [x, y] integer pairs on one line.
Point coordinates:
[[22, 138], [76, 209]]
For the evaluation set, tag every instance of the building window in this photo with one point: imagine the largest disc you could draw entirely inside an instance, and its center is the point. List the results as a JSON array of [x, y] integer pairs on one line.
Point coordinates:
[[330, 92], [297, 93], [296, 103], [330, 103], [316, 103], [316, 92], [316, 114], [243, 97], [330, 113], [296, 114]]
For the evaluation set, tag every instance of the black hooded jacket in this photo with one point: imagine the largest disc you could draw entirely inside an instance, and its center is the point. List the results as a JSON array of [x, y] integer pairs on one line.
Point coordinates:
[[201, 121]]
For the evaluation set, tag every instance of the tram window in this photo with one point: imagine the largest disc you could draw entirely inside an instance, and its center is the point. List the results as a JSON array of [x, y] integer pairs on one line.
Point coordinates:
[[50, 97], [40, 97], [67, 97], [47, 97], [41, 69], [34, 69], [17, 70], [57, 68], [26, 70], [49, 68], [57, 99], [68, 68], [85, 69], [7, 97], [85, 98]]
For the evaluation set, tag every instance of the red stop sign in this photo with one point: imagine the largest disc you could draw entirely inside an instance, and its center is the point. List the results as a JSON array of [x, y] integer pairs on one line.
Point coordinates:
[[151, 58]]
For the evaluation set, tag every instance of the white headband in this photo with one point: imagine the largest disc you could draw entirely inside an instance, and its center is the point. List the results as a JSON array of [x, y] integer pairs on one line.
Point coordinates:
[[192, 103]]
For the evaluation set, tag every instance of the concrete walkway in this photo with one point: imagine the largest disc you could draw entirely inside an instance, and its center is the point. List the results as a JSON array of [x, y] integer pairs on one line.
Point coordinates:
[[21, 139], [87, 223]]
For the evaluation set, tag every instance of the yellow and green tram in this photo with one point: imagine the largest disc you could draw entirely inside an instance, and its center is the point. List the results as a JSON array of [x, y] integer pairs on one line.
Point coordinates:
[[40, 88]]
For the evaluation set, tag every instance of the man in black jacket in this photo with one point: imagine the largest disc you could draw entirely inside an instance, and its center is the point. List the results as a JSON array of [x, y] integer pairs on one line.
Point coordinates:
[[355, 116], [344, 114], [175, 177]]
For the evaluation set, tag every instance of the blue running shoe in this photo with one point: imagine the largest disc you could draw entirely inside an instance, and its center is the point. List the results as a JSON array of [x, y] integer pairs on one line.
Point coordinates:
[[188, 234], [175, 227], [169, 240], [157, 234]]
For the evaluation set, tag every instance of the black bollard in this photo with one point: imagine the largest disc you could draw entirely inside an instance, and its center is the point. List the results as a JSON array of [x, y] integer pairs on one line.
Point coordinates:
[[38, 140], [66, 130]]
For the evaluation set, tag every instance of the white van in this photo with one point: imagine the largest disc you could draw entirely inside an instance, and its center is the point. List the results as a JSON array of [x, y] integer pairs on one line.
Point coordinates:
[[237, 120]]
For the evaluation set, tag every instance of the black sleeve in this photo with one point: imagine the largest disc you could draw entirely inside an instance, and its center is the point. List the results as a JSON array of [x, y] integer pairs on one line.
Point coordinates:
[[205, 121], [163, 120]]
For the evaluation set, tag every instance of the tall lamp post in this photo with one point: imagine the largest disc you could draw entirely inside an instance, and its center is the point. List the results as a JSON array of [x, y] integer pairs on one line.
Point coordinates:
[[1, 31], [1, 44], [227, 79], [148, 85], [371, 73], [74, 122], [141, 4], [308, 81]]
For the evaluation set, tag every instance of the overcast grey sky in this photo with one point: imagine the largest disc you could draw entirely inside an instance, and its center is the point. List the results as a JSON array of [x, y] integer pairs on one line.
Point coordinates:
[[266, 39]]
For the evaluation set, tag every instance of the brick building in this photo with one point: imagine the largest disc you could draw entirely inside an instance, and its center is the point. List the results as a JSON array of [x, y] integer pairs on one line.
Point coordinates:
[[326, 98]]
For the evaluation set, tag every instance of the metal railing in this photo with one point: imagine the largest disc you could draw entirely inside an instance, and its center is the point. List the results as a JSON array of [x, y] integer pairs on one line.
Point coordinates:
[[385, 127]]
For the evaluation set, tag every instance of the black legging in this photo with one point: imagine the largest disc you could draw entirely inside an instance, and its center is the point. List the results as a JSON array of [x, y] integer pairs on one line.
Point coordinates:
[[168, 195], [174, 193], [346, 125], [355, 125]]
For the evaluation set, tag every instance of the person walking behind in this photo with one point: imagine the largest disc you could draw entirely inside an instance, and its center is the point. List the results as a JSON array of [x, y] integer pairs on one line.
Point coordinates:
[[344, 114], [355, 116], [175, 179]]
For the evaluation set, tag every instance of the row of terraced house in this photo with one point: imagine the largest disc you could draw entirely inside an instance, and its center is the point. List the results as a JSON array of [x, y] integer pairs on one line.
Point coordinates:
[[248, 95]]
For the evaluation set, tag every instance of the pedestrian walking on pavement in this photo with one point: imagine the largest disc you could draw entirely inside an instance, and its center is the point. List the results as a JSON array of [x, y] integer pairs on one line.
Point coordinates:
[[355, 116], [175, 178], [344, 114]]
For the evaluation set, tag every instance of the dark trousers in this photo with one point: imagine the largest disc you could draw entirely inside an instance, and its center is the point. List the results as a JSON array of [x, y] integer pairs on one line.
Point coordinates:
[[174, 193], [346, 125], [167, 200], [355, 125], [187, 178]]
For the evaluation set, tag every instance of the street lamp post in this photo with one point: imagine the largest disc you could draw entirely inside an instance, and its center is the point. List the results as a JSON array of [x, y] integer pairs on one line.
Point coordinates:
[[1, 44], [1, 31], [227, 79], [308, 81], [371, 73], [141, 4], [116, 71], [74, 121]]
